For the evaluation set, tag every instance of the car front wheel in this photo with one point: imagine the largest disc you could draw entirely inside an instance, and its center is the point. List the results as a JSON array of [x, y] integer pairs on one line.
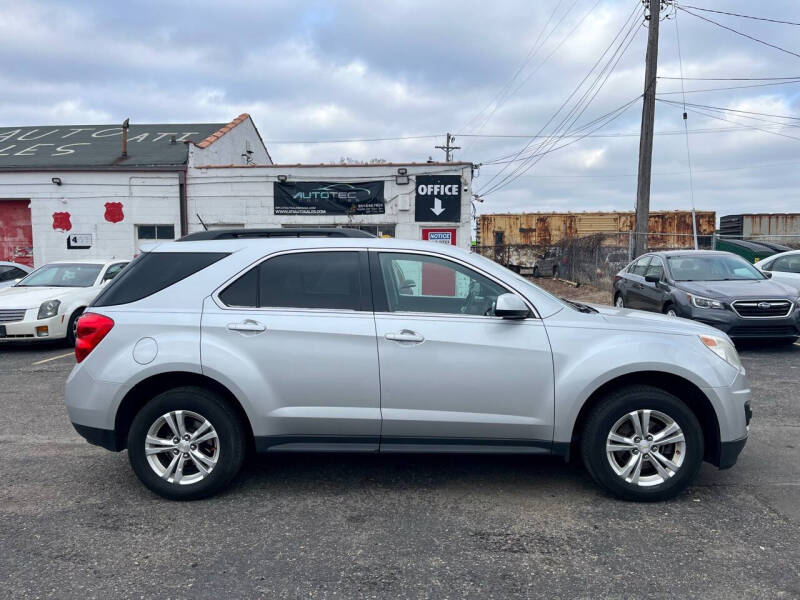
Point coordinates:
[[186, 443], [619, 302], [642, 443]]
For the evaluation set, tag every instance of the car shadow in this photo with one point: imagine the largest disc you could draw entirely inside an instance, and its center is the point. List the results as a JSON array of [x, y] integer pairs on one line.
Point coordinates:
[[767, 346]]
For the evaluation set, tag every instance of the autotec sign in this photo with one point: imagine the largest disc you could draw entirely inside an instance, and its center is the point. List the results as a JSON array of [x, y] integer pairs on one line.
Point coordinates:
[[329, 198]]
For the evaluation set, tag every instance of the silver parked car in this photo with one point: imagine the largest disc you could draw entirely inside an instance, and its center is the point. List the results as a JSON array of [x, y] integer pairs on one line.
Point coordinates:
[[206, 347]]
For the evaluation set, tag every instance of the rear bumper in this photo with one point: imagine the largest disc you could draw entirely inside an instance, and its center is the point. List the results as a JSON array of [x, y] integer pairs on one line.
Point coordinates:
[[105, 438]]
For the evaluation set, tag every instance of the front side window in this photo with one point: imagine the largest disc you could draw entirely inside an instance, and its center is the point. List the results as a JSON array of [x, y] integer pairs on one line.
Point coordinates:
[[640, 266], [655, 269], [113, 271], [63, 275], [9, 273], [786, 264], [421, 283], [310, 280]]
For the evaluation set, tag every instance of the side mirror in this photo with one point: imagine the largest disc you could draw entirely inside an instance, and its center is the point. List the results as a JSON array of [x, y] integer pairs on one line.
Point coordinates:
[[767, 274], [407, 286], [652, 278], [511, 306]]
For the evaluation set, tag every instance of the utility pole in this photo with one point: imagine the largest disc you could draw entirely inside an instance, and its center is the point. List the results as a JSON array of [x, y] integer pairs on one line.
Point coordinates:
[[448, 147], [646, 137]]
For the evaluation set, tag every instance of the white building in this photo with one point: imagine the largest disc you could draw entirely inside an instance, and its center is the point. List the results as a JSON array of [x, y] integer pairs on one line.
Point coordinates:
[[404, 200], [69, 192]]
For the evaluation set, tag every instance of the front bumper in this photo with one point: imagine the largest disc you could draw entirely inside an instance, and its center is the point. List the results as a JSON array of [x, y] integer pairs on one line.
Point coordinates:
[[743, 328], [733, 408], [31, 329]]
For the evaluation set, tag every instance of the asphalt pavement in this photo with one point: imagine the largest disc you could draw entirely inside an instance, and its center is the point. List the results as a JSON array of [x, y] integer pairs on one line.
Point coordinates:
[[75, 522]]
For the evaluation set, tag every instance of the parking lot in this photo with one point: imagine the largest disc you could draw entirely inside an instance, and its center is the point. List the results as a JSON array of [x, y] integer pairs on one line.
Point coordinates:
[[74, 521]]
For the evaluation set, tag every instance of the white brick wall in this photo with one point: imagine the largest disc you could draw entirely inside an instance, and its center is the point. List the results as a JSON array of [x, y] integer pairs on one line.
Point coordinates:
[[245, 195], [145, 198]]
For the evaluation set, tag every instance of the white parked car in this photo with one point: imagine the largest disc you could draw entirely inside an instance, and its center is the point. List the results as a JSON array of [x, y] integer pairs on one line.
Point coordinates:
[[783, 267], [10, 272], [46, 304]]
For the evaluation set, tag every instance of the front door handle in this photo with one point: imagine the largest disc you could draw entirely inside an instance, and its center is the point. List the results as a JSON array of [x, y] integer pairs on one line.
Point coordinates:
[[406, 335], [247, 326]]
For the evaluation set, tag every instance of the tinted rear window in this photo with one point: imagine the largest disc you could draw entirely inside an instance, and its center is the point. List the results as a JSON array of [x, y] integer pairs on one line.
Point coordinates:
[[152, 272]]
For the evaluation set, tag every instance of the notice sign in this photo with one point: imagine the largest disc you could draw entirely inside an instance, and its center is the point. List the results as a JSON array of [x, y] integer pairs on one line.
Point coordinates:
[[329, 198], [440, 236], [438, 198]]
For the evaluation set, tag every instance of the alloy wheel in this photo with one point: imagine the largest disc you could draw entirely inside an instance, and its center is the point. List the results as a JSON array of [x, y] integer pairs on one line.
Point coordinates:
[[619, 302], [182, 447], [645, 448]]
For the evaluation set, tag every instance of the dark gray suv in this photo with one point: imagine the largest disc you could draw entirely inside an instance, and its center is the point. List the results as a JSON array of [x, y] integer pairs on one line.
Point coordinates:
[[717, 288]]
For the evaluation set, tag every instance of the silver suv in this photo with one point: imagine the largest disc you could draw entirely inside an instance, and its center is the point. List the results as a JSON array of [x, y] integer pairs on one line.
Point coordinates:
[[205, 348]]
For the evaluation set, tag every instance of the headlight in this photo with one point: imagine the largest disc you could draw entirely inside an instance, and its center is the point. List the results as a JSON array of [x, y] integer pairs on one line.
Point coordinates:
[[49, 309], [701, 302], [723, 348]]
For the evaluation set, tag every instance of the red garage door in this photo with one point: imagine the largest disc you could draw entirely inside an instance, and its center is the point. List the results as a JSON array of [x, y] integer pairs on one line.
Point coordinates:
[[16, 235]]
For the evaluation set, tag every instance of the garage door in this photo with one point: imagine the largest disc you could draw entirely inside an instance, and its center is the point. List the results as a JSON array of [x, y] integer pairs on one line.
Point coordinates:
[[16, 234]]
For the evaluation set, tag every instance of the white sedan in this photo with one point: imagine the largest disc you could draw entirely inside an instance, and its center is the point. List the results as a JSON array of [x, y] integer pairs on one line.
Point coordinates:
[[46, 304], [783, 267], [10, 272]]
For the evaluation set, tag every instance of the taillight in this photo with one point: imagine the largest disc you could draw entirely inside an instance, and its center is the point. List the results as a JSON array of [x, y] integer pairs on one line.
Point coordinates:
[[92, 328]]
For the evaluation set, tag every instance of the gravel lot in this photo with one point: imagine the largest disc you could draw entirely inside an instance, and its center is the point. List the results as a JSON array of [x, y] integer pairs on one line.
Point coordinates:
[[74, 522]]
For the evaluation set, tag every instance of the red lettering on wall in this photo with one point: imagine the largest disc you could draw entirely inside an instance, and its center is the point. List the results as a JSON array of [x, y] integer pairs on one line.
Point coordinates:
[[114, 212], [61, 221]]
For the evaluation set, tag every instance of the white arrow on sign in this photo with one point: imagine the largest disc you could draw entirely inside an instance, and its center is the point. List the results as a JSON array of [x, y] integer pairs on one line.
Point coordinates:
[[437, 207]]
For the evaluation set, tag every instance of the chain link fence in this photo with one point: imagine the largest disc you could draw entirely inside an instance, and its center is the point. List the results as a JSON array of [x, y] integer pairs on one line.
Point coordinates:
[[595, 259]]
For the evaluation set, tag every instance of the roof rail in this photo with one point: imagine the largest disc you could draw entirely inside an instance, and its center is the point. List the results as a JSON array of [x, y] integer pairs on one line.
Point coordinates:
[[238, 234]]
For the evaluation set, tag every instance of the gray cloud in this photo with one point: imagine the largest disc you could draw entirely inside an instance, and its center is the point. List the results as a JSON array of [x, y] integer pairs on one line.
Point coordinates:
[[324, 70]]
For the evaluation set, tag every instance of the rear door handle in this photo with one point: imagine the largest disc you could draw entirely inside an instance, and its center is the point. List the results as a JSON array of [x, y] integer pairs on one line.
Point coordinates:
[[406, 335], [248, 326]]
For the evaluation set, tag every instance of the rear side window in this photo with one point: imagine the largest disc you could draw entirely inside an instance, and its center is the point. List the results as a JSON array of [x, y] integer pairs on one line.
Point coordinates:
[[152, 272], [640, 266], [327, 280]]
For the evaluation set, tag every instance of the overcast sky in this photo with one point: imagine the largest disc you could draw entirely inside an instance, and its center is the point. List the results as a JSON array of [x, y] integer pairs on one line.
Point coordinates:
[[312, 71]]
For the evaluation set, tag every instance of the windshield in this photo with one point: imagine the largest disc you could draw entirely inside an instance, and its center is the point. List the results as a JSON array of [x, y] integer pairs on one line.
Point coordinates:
[[712, 268], [63, 275]]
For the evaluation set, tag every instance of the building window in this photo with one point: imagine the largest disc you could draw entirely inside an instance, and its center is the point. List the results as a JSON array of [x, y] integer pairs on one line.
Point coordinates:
[[498, 238], [155, 232]]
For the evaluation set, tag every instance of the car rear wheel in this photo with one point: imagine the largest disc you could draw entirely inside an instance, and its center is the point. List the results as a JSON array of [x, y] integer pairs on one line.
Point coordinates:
[[186, 443], [642, 443]]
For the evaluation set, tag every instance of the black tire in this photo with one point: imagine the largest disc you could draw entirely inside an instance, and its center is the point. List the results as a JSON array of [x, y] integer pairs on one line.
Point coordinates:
[[669, 307], [536, 273], [226, 422], [555, 272], [613, 408], [70, 339], [619, 297]]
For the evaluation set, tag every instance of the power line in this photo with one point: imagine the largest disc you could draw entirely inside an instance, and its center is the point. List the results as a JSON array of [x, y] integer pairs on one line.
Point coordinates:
[[348, 141], [732, 14], [732, 87], [730, 78], [737, 32], [713, 116], [531, 53], [522, 168], [747, 112], [686, 130]]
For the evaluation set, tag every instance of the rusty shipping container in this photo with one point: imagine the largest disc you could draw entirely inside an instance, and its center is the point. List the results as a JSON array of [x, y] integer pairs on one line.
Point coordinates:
[[776, 227], [668, 228]]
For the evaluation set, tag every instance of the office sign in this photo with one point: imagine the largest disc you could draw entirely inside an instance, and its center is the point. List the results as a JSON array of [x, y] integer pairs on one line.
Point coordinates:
[[79, 241], [329, 198], [438, 198]]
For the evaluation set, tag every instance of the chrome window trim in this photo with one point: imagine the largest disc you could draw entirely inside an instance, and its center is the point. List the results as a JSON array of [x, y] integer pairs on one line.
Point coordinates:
[[510, 289], [282, 309], [788, 312]]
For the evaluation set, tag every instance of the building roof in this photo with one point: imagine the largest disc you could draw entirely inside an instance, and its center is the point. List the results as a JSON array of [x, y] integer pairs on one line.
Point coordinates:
[[100, 146]]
